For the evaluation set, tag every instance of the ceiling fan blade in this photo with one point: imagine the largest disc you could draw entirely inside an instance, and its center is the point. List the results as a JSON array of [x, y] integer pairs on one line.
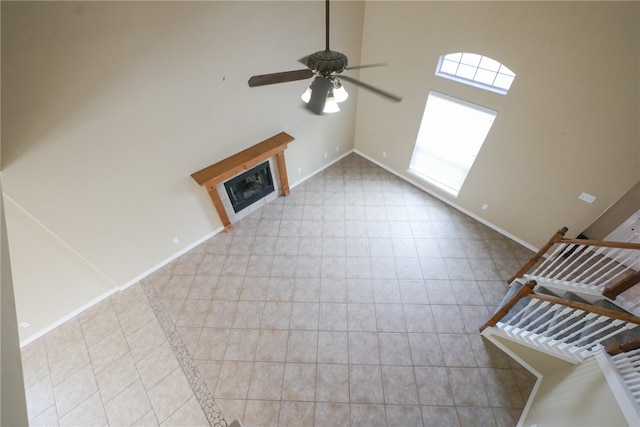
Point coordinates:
[[357, 67], [319, 90], [380, 92], [285, 76], [305, 60]]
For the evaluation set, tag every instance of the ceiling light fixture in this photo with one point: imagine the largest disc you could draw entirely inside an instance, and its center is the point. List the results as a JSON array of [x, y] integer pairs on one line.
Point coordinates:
[[335, 95]]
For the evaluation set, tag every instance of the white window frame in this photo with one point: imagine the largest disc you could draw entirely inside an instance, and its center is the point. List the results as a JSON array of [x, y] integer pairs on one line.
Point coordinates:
[[476, 70], [445, 164]]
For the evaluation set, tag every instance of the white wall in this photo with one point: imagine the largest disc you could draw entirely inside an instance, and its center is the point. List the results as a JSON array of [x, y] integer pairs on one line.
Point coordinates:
[[568, 125], [108, 107]]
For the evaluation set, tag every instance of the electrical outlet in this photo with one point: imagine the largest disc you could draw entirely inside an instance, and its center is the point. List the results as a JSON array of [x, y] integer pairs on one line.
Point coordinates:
[[299, 170], [586, 197], [384, 154], [24, 324], [337, 148], [176, 240], [325, 155], [484, 207]]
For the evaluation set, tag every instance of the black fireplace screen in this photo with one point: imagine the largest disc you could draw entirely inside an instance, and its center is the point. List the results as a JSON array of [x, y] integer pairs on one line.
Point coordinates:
[[250, 186]]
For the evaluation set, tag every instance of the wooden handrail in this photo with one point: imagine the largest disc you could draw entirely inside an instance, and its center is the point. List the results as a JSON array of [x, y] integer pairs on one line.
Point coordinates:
[[601, 243], [526, 290], [619, 347], [589, 308], [627, 282], [557, 237]]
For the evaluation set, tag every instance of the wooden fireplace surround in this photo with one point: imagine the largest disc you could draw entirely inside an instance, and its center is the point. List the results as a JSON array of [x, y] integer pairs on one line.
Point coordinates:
[[211, 176]]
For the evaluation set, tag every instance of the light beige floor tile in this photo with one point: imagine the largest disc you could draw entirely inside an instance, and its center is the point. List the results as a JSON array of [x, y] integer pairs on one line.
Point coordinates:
[[108, 350], [35, 367], [425, 349], [390, 318], [433, 386], [365, 384], [332, 383], [157, 365], [90, 412], [47, 418], [146, 339], [248, 314], [117, 377], [127, 298], [302, 346], [394, 349], [266, 381], [68, 361], [39, 397], [136, 316], [457, 350], [147, 420], [399, 385], [305, 315], [169, 394], [295, 414], [272, 345], [33, 348], [100, 326], [242, 344], [189, 414], [333, 316], [440, 416], [404, 415], [233, 409], [276, 315], [221, 314], [299, 382], [212, 344], [261, 413], [331, 413], [333, 347], [363, 348], [361, 317], [63, 336], [234, 379], [501, 388], [368, 415], [475, 417], [75, 389], [467, 387]]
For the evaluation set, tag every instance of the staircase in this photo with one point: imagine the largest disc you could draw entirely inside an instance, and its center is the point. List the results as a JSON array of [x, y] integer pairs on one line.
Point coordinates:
[[575, 301]]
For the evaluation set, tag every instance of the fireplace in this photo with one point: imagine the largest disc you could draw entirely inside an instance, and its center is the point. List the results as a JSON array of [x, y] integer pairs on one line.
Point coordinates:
[[256, 184], [249, 186]]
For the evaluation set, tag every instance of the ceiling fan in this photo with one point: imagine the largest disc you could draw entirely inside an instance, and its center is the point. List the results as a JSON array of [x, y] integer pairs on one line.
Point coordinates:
[[326, 89]]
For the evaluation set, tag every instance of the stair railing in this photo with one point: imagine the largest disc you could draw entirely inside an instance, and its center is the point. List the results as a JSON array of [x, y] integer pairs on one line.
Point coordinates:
[[625, 358], [594, 267], [566, 329]]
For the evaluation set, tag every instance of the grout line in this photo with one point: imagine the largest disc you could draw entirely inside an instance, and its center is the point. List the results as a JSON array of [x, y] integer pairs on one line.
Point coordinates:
[[198, 385]]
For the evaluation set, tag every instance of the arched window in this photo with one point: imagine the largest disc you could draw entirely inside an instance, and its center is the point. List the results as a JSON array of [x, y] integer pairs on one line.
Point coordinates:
[[476, 70]]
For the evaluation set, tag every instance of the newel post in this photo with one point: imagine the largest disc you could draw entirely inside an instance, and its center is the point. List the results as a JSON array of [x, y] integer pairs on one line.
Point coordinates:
[[502, 311]]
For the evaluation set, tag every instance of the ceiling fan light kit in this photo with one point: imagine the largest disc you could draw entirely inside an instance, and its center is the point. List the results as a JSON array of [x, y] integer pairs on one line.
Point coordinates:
[[326, 90]]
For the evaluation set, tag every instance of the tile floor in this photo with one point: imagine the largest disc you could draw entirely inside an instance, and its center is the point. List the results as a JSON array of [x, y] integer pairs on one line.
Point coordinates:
[[354, 301]]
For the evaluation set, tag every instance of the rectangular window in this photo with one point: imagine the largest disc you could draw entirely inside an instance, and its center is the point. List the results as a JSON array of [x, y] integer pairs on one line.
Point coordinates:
[[450, 136]]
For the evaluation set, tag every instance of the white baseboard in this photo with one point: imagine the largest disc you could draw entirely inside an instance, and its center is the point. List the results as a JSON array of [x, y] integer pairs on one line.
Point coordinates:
[[320, 169], [119, 288], [450, 203]]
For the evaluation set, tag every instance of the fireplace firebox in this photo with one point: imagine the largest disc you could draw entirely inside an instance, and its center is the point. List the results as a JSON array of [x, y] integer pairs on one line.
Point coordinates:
[[250, 186]]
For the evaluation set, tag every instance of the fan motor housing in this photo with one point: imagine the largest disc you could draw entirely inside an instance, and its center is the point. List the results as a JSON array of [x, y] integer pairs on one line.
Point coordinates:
[[327, 62]]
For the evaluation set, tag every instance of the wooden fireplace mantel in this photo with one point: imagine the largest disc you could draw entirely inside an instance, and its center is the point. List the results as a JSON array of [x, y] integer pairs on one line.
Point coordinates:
[[211, 176]]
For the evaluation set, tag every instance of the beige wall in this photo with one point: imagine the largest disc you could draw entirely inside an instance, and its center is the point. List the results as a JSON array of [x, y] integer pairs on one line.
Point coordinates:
[[569, 124], [567, 395], [13, 407], [108, 107]]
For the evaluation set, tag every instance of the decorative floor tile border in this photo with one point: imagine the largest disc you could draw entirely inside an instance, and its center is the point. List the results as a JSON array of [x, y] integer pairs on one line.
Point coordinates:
[[195, 379]]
